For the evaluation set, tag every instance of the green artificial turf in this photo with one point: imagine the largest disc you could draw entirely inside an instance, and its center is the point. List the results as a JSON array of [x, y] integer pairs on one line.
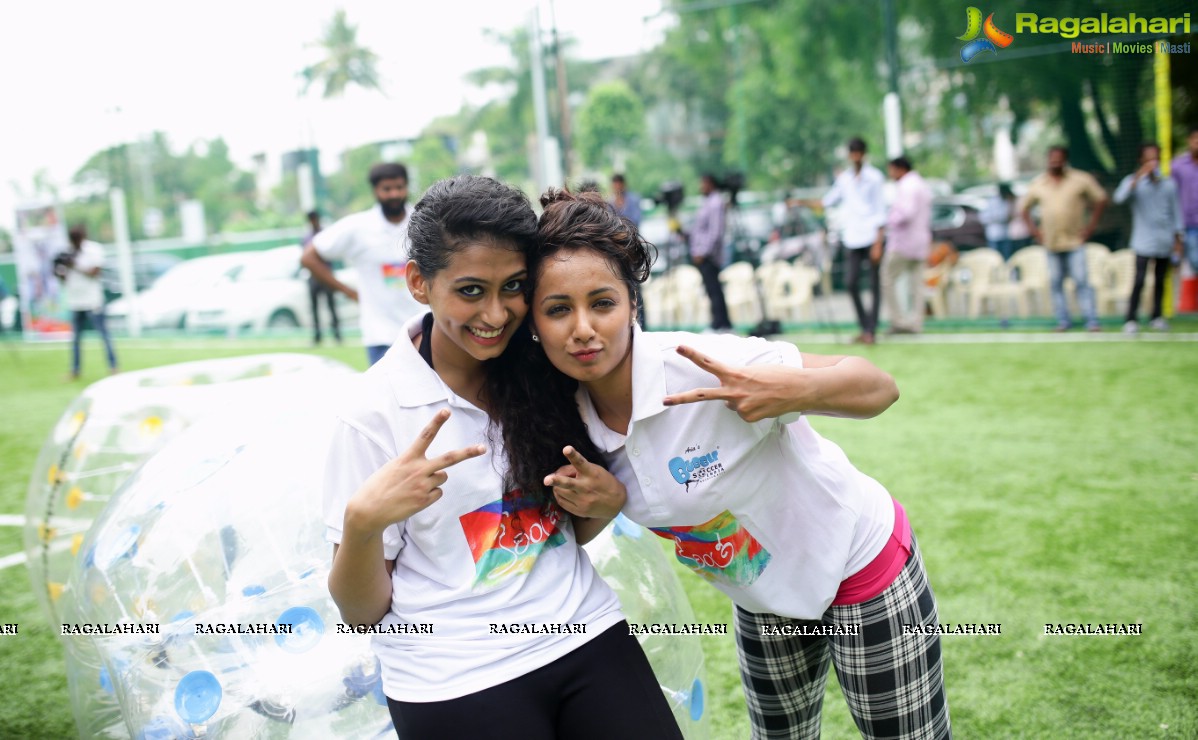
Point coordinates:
[[1047, 483]]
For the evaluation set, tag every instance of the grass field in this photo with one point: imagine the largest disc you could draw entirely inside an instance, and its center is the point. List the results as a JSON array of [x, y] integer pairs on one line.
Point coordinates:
[[1047, 483]]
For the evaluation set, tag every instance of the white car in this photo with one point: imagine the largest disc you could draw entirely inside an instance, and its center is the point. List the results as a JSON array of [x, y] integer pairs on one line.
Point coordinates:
[[264, 291], [164, 304]]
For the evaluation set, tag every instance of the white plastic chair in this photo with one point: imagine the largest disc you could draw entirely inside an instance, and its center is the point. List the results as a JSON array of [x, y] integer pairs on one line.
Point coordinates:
[[1029, 268], [1096, 256], [685, 298], [1118, 276], [983, 277], [740, 293], [787, 290], [653, 293]]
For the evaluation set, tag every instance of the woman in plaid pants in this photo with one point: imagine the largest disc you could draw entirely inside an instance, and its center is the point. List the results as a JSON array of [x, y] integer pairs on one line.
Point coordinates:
[[709, 435]]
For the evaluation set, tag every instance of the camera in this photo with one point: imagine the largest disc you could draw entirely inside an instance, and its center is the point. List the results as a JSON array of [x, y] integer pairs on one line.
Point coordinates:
[[63, 262], [734, 182], [671, 194]]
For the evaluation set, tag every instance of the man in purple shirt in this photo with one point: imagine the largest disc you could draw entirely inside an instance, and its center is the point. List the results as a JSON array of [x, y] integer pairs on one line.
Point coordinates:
[[706, 243], [1185, 174], [908, 242]]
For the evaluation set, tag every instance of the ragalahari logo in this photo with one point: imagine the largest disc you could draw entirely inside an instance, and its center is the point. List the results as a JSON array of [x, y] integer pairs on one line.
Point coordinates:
[[994, 39]]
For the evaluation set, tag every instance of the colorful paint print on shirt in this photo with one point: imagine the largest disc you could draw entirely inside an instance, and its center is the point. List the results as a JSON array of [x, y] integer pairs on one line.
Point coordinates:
[[507, 535], [718, 550], [395, 275]]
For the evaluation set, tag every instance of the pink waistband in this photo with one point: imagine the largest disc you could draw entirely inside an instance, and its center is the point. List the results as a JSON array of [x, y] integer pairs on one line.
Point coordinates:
[[874, 578]]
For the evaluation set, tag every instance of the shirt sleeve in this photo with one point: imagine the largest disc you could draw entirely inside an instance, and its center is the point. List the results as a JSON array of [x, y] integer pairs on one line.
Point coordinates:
[[335, 242], [634, 208], [91, 257], [1175, 204], [706, 233], [353, 457], [1031, 197], [1123, 192], [834, 195], [877, 202], [993, 212], [1095, 190], [902, 209]]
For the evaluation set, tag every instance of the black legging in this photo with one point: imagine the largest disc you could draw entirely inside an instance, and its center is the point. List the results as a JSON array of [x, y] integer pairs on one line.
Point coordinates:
[[602, 690], [852, 283], [715, 294], [1159, 268]]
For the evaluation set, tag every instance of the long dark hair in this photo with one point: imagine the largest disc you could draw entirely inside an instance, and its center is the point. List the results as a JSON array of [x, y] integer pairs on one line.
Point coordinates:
[[537, 409], [525, 402]]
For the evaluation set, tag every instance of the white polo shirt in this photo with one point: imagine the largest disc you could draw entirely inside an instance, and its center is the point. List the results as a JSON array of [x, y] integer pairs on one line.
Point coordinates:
[[770, 513], [81, 291], [863, 205], [377, 249], [476, 557]]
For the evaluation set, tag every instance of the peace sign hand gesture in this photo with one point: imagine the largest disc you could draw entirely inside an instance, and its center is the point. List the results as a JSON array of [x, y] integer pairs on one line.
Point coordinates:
[[585, 489], [754, 392], [407, 484]]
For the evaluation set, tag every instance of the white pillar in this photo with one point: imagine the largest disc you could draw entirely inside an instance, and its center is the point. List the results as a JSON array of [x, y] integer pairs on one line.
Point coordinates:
[[545, 171], [893, 116], [124, 256]]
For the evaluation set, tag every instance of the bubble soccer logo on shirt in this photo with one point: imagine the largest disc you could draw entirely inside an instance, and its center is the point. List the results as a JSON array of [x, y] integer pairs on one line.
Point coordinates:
[[994, 39], [696, 468]]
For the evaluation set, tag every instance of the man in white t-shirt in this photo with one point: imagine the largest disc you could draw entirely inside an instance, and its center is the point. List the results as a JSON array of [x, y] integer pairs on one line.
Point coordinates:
[[858, 192], [79, 270], [374, 243]]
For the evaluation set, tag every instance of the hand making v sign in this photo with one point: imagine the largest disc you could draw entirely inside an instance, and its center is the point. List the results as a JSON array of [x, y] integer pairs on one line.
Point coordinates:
[[585, 489], [754, 392], [409, 483]]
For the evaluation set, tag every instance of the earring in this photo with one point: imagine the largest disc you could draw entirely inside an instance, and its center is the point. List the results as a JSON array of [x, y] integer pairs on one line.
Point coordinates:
[[535, 338]]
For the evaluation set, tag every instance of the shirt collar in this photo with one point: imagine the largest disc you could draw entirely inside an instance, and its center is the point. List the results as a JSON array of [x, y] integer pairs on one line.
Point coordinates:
[[411, 379], [648, 376]]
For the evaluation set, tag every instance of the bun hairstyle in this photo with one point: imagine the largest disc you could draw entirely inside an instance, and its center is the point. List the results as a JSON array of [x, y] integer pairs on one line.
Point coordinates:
[[584, 220], [532, 401]]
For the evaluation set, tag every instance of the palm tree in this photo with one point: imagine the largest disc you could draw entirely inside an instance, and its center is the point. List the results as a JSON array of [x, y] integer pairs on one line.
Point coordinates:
[[345, 61]]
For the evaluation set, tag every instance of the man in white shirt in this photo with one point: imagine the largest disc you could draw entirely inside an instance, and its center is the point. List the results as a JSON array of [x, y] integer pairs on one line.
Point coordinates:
[[858, 192], [79, 270], [374, 243]]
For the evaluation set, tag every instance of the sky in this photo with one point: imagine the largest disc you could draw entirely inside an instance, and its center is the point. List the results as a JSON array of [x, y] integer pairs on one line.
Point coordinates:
[[80, 75]]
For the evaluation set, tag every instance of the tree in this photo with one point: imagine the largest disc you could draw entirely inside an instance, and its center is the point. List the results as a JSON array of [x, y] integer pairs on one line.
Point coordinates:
[[1102, 104], [348, 187], [153, 176], [345, 61], [778, 84], [508, 121], [610, 123]]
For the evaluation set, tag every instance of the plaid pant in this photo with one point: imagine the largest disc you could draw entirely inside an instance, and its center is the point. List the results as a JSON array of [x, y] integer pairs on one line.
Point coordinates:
[[893, 682]]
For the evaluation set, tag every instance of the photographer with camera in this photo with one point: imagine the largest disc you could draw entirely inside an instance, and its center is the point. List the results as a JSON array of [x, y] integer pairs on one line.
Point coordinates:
[[79, 271]]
